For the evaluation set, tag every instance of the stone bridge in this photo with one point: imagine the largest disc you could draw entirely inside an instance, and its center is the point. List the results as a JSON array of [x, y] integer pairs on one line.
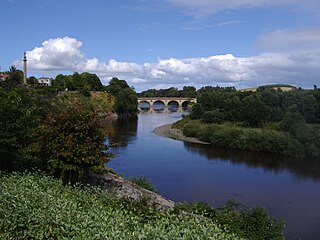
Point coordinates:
[[166, 101]]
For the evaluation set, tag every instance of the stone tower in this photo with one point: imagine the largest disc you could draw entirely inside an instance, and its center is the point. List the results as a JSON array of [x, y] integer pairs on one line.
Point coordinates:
[[24, 68]]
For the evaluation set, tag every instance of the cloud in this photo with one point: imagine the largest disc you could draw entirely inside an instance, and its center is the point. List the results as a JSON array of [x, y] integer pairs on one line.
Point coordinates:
[[299, 68], [200, 8], [232, 22], [60, 54], [291, 40]]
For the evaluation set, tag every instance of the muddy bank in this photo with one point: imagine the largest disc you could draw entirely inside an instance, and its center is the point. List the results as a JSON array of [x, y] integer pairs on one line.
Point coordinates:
[[169, 132]]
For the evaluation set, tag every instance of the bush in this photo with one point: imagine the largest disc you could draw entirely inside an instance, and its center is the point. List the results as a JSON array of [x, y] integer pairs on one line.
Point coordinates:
[[73, 143], [85, 91], [249, 223], [213, 117], [144, 183], [196, 111], [34, 206], [192, 129], [19, 119], [252, 139]]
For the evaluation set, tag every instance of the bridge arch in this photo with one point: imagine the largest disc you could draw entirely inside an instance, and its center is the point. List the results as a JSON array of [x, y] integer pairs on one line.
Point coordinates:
[[185, 104], [173, 105], [159, 102], [144, 105]]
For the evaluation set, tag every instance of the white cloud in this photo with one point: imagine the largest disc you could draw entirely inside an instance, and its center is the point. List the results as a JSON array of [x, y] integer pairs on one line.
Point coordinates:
[[232, 22], [208, 7], [61, 54], [299, 68], [291, 40]]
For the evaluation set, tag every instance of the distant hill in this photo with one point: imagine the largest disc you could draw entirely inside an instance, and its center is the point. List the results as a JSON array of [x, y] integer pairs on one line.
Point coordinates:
[[282, 87]]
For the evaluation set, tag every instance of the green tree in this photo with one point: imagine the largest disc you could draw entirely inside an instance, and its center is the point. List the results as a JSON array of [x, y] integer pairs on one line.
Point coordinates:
[[189, 91], [32, 80], [293, 122], [254, 111], [19, 117], [92, 81], [73, 145], [213, 117], [116, 85], [126, 102], [77, 81], [15, 78], [196, 111]]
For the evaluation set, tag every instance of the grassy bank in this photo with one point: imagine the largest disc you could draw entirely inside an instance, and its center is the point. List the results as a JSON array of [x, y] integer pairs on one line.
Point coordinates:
[[34, 206], [265, 139], [98, 101]]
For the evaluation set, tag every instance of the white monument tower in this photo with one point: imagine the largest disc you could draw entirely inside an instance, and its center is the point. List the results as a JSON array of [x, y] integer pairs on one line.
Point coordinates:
[[24, 68]]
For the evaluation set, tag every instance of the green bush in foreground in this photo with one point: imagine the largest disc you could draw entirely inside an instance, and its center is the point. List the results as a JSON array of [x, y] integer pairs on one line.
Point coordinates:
[[250, 223], [34, 206]]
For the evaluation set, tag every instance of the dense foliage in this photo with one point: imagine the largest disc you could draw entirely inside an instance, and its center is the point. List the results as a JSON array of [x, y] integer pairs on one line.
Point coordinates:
[[64, 138], [34, 206], [267, 120], [83, 82], [249, 223], [265, 139], [126, 102], [255, 108], [20, 114], [73, 142]]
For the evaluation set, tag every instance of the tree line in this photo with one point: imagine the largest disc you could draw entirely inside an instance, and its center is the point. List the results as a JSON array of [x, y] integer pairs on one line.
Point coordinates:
[[185, 92], [267, 120]]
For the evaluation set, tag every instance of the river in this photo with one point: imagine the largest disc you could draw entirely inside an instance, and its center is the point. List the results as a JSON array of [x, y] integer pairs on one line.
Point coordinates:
[[288, 188]]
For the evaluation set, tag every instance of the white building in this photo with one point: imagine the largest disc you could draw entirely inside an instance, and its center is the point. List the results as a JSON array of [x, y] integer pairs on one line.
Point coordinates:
[[44, 81]]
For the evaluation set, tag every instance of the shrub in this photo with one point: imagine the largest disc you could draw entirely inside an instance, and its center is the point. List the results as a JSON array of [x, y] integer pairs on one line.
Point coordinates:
[[191, 129], [252, 139], [73, 143], [249, 223], [144, 183], [19, 119], [213, 117], [196, 111], [85, 91], [34, 206]]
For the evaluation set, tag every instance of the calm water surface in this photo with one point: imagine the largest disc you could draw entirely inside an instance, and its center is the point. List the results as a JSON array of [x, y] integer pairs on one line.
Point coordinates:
[[288, 188]]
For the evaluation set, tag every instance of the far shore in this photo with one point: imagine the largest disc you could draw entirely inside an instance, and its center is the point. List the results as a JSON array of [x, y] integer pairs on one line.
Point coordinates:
[[176, 134]]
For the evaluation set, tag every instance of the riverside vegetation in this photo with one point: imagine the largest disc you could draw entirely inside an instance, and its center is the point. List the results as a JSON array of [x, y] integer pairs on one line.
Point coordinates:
[[35, 206], [61, 137], [267, 121]]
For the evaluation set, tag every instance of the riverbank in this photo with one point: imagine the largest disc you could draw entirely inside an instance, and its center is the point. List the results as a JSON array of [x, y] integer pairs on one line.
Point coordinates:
[[176, 134]]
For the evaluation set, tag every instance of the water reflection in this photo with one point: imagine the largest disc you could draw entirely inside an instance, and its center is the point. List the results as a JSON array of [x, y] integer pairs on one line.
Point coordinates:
[[120, 131], [306, 168]]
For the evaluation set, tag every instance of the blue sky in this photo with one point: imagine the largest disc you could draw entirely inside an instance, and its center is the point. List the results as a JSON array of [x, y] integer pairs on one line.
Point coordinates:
[[164, 43]]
